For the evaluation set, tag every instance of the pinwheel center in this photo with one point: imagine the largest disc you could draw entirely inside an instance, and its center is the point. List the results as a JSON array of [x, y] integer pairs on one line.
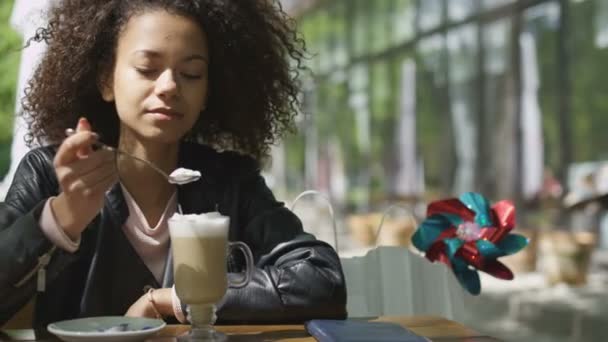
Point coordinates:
[[468, 231]]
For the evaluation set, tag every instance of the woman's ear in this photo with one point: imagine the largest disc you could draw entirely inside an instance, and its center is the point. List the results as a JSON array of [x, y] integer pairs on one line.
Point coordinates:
[[104, 84]]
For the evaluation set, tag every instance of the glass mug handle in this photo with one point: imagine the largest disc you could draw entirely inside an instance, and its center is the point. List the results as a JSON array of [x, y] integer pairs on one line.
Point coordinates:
[[248, 264]]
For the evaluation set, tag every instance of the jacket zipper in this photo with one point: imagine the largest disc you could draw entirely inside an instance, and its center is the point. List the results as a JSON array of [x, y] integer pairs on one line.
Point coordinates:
[[39, 270]]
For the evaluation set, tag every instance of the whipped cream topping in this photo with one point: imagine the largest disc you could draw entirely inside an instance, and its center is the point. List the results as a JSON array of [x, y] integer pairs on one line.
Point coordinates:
[[191, 225], [184, 176]]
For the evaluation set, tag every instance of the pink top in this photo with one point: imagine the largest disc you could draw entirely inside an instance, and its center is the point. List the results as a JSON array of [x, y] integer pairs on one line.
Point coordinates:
[[151, 243]]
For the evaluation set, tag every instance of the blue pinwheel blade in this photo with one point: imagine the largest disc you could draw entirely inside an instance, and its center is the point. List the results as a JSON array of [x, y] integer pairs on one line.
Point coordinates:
[[452, 246], [479, 205], [469, 279], [488, 250], [512, 243], [454, 219], [428, 231]]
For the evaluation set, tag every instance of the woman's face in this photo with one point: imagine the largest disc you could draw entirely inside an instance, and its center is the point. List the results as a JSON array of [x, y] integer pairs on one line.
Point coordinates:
[[159, 81]]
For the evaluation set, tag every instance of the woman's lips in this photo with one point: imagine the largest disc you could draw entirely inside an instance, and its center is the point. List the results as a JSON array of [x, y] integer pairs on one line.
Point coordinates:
[[164, 114]]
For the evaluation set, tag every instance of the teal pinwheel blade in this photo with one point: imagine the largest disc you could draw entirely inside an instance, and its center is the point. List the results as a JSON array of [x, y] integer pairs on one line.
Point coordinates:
[[454, 219], [512, 243], [480, 206], [452, 247], [469, 279], [428, 231], [488, 249]]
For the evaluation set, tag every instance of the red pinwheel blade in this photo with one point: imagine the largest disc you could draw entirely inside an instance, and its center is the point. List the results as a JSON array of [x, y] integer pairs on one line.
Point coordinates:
[[498, 269], [450, 206], [437, 253], [504, 214]]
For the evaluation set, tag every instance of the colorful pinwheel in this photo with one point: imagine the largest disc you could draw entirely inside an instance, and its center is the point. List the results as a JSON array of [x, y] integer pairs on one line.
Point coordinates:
[[468, 235]]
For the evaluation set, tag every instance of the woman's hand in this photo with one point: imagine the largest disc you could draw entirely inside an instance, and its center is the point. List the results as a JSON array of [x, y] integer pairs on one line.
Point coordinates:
[[84, 176], [144, 307]]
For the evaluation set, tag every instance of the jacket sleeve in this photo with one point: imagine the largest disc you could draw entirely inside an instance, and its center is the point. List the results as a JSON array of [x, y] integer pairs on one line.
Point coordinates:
[[28, 259], [296, 277]]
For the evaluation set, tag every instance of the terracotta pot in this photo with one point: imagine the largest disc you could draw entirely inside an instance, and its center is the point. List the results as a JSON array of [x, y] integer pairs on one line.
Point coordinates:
[[565, 256], [360, 230], [395, 232]]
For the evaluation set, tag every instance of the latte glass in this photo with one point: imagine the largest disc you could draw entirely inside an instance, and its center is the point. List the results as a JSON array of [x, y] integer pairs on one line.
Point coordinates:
[[200, 247]]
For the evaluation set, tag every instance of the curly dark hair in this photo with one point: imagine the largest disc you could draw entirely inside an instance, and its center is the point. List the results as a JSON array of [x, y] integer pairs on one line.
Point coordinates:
[[256, 58]]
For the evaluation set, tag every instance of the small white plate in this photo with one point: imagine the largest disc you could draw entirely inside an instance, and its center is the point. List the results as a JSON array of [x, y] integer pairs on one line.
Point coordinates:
[[106, 328]]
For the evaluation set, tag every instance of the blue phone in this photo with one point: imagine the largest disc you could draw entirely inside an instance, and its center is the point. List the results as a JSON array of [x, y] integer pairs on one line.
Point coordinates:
[[350, 330]]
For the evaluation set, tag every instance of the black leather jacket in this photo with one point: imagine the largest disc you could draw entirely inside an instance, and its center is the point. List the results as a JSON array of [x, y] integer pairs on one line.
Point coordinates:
[[296, 278]]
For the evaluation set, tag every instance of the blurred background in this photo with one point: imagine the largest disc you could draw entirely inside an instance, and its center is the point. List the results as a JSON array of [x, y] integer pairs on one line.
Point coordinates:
[[410, 101]]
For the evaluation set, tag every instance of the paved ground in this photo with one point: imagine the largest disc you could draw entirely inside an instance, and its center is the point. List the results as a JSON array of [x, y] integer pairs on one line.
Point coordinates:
[[526, 309]]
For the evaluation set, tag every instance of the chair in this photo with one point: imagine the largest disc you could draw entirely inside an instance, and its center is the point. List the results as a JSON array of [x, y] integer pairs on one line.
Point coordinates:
[[392, 280]]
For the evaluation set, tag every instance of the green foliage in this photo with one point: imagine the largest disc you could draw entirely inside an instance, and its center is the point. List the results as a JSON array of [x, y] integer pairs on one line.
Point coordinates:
[[379, 35], [589, 86], [10, 44]]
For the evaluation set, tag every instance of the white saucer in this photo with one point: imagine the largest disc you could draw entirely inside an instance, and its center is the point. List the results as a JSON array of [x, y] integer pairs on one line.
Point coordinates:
[[106, 328]]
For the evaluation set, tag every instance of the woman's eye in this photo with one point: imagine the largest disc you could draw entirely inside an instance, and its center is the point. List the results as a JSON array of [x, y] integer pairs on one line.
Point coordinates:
[[146, 72]]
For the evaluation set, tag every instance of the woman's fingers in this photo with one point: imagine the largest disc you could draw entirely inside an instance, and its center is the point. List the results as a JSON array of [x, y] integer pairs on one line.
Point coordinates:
[[84, 175], [72, 147], [92, 183], [105, 184], [80, 167], [91, 162], [84, 126], [81, 171]]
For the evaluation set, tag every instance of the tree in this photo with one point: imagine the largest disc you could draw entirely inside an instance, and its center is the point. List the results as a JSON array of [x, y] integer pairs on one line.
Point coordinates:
[[10, 45]]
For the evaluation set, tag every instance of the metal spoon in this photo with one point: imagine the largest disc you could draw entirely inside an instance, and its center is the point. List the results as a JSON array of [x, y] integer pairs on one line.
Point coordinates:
[[179, 176]]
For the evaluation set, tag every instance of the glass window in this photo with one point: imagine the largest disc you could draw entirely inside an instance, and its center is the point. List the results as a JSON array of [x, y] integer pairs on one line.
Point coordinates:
[[462, 49], [459, 134], [382, 91], [588, 58], [324, 38], [404, 166], [337, 20], [294, 144], [499, 113], [403, 20], [358, 163], [600, 20], [541, 27], [462, 54], [430, 14], [460, 9], [433, 132], [496, 38], [488, 4], [312, 28], [431, 54], [379, 15], [360, 27]]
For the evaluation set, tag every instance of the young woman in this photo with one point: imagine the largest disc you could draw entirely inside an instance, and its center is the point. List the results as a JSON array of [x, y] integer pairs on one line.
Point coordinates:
[[84, 230]]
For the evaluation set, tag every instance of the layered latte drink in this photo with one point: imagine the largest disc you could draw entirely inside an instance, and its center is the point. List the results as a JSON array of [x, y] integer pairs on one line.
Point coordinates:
[[199, 244]]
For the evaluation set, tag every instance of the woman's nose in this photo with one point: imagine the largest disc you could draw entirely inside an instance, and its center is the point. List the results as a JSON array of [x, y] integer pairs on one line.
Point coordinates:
[[166, 84]]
